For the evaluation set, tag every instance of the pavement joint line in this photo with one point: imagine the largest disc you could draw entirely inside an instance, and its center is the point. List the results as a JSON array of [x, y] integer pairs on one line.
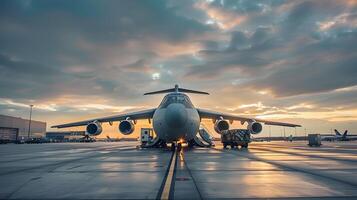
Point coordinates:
[[311, 172], [190, 173], [18, 189], [84, 151], [106, 171], [166, 192], [294, 198], [58, 164], [304, 146], [305, 155], [309, 149]]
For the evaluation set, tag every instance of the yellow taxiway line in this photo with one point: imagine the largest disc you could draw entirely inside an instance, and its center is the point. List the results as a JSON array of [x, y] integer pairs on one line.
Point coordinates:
[[166, 191]]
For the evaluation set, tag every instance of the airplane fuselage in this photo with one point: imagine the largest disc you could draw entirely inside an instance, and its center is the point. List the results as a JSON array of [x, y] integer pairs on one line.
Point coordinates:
[[176, 118]]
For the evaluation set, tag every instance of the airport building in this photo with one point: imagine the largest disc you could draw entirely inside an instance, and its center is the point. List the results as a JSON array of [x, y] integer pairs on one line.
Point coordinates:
[[12, 128], [62, 136]]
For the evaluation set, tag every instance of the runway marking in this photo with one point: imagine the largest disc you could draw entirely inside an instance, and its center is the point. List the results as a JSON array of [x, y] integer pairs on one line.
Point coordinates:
[[169, 178]]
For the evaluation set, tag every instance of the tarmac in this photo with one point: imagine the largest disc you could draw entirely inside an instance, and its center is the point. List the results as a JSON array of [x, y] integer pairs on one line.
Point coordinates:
[[120, 170]]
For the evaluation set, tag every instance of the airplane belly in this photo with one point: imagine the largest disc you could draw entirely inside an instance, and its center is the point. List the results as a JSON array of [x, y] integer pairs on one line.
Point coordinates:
[[169, 133]]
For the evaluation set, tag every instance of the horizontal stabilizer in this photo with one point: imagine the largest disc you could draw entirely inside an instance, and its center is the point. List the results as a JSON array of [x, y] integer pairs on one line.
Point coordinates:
[[176, 89]]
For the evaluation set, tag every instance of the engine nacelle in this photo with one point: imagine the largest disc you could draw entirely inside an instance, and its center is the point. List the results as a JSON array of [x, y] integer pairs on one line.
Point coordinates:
[[126, 127], [221, 125], [94, 128], [255, 127]]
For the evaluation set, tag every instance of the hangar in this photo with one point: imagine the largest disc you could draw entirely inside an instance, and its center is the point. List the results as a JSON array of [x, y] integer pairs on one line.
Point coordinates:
[[11, 128]]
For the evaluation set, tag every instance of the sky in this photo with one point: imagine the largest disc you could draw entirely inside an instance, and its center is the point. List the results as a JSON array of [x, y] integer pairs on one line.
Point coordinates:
[[292, 61]]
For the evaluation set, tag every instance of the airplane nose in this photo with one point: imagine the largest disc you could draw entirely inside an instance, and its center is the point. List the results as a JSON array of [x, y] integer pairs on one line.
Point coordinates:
[[176, 115]]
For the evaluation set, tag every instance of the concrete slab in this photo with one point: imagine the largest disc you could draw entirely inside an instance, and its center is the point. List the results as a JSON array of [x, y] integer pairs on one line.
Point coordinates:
[[119, 170]]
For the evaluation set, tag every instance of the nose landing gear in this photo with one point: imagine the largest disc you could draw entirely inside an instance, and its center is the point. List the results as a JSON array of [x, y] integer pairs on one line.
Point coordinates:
[[174, 145], [179, 146]]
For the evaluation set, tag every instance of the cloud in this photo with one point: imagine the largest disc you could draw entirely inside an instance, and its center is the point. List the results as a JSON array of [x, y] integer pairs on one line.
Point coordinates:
[[325, 65], [12, 104], [224, 19], [294, 57], [343, 21], [140, 65], [245, 54], [288, 56], [52, 46]]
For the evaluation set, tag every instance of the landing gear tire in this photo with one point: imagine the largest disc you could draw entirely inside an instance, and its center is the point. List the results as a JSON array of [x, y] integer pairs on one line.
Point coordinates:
[[224, 146], [245, 146], [232, 146]]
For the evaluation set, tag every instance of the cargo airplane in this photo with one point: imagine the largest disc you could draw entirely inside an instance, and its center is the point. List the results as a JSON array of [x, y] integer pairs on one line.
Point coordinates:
[[175, 119]]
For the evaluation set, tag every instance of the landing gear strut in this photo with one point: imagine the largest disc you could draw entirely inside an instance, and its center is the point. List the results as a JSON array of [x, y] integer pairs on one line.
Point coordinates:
[[179, 146], [173, 145]]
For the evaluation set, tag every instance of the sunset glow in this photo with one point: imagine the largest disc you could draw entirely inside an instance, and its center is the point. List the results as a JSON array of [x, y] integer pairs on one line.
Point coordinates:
[[282, 60]]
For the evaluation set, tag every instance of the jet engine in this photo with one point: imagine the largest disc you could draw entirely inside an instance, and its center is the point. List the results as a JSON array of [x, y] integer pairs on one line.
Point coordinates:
[[254, 127], [221, 125], [126, 127], [94, 128]]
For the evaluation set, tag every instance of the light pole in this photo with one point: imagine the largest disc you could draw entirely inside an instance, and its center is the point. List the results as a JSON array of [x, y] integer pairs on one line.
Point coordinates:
[[29, 131]]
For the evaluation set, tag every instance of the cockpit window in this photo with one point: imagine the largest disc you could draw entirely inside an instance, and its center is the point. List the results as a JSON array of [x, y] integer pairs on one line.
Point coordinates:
[[176, 98]]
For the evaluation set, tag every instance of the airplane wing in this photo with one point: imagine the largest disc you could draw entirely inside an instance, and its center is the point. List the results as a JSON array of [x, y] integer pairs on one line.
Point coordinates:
[[215, 115], [144, 114]]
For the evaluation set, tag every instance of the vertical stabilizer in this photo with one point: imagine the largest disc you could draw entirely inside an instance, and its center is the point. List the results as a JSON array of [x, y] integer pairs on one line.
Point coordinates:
[[345, 133], [337, 133]]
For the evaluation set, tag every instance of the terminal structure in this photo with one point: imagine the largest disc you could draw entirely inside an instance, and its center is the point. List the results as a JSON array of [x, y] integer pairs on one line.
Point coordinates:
[[13, 128]]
